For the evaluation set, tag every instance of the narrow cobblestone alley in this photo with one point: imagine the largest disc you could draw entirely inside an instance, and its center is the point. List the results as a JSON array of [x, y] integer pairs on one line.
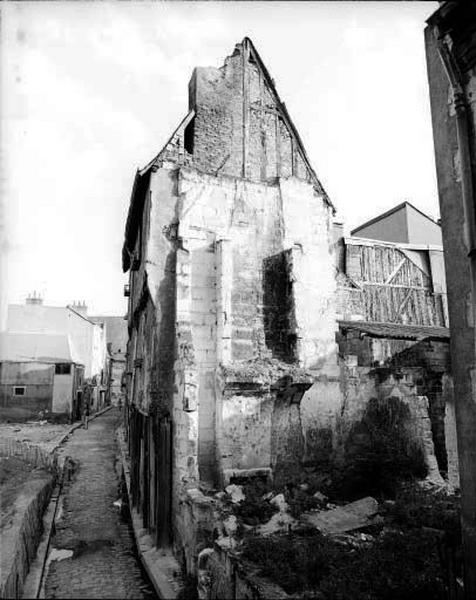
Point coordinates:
[[101, 561]]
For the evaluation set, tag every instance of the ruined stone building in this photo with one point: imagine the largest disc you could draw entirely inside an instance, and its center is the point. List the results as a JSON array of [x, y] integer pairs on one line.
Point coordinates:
[[239, 363], [392, 313]]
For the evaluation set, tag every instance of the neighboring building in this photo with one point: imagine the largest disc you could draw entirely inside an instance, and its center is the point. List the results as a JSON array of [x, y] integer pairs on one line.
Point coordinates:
[[87, 337], [392, 312], [391, 282], [451, 59], [116, 340], [39, 375], [404, 224]]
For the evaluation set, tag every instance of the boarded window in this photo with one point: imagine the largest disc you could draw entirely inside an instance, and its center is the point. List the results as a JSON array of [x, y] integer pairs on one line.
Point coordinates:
[[62, 368], [19, 390]]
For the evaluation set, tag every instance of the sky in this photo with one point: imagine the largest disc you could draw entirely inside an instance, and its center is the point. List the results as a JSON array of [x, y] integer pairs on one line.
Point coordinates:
[[90, 91]]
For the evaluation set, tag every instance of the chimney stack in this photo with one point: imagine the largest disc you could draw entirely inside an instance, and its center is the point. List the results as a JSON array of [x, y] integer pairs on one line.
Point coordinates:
[[80, 307], [34, 298]]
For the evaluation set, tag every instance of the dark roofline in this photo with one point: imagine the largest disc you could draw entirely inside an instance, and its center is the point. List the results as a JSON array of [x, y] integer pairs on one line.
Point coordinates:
[[154, 162], [134, 215], [396, 330], [443, 11], [390, 212], [80, 315]]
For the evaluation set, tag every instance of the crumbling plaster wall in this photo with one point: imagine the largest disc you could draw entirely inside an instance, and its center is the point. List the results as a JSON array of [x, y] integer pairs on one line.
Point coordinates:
[[212, 235], [213, 238], [327, 425]]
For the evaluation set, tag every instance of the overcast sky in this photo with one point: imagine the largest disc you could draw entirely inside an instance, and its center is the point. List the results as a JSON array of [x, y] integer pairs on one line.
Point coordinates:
[[91, 91]]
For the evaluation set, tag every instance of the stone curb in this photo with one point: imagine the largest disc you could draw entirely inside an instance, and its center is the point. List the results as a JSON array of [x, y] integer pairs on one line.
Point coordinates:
[[158, 564]]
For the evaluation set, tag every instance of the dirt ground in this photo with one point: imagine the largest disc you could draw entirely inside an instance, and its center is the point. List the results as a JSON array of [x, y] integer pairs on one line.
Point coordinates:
[[16, 476], [46, 435]]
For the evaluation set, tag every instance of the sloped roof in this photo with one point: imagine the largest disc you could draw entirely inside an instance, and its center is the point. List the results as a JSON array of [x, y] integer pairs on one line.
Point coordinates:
[[36, 347], [396, 330], [393, 210], [39, 317]]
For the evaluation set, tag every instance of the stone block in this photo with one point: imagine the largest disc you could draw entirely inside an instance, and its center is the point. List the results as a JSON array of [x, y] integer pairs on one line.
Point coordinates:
[[344, 518]]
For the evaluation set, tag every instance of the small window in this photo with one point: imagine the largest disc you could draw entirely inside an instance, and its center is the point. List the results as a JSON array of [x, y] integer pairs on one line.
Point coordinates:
[[62, 369], [188, 136], [19, 390]]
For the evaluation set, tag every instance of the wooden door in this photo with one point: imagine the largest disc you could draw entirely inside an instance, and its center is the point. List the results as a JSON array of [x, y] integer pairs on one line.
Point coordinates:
[[164, 483]]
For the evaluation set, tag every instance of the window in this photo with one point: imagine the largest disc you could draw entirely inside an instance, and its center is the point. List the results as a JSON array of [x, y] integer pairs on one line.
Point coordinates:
[[19, 390], [188, 136], [62, 369]]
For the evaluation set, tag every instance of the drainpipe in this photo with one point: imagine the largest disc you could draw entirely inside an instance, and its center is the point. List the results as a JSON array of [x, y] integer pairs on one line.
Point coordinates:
[[466, 411]]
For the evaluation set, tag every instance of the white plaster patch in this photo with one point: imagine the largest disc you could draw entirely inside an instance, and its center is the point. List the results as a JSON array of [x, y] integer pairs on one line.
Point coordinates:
[[60, 554], [236, 493], [280, 521], [280, 503]]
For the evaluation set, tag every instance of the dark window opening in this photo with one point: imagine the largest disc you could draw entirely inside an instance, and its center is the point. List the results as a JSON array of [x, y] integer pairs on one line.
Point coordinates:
[[279, 308], [19, 390], [188, 136], [251, 59], [62, 369]]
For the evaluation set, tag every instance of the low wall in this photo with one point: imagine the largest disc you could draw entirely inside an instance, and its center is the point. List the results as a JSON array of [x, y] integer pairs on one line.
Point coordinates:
[[23, 535], [221, 574]]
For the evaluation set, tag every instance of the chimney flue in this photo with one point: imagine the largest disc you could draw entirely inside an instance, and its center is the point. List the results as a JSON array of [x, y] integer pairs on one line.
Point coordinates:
[[80, 306], [34, 299]]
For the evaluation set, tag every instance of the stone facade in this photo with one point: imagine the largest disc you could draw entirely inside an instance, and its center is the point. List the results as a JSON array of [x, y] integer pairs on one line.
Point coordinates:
[[228, 230]]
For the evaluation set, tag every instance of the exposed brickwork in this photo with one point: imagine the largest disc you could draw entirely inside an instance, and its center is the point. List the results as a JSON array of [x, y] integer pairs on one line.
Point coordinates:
[[239, 128]]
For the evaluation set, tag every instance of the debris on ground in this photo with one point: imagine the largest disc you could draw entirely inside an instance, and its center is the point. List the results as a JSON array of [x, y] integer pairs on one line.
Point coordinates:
[[349, 517], [279, 523], [235, 492], [280, 503]]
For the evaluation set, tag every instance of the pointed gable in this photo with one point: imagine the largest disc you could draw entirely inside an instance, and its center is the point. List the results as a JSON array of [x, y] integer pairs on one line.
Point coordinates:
[[404, 224], [241, 127], [237, 125]]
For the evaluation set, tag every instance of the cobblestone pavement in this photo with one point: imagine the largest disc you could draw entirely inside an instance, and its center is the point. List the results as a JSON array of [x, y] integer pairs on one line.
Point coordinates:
[[103, 563]]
